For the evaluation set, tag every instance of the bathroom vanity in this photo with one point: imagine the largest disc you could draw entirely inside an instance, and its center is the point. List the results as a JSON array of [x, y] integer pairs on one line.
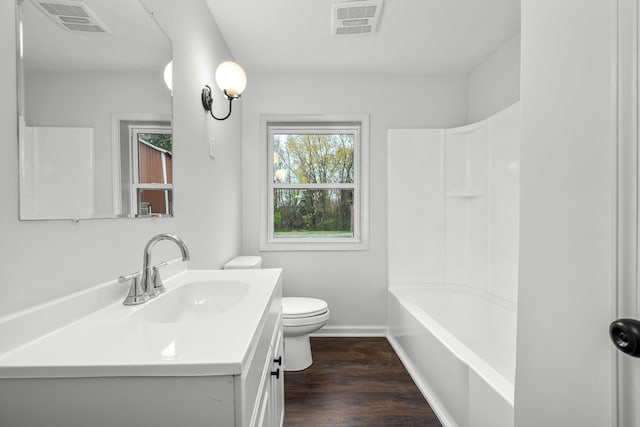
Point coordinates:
[[208, 352]]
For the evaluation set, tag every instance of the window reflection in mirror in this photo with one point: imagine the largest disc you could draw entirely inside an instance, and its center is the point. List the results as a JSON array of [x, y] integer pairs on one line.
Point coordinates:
[[78, 86], [152, 183]]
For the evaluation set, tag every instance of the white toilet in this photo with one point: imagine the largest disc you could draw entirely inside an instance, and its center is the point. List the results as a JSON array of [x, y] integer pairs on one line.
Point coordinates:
[[300, 317]]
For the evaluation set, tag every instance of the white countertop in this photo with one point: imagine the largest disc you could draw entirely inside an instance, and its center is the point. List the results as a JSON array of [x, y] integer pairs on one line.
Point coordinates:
[[120, 340]]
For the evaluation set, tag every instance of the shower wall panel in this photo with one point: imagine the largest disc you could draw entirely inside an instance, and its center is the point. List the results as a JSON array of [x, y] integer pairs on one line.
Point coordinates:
[[454, 204]]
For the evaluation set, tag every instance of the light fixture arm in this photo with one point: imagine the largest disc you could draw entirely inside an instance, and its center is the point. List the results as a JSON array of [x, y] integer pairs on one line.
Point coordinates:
[[207, 102]]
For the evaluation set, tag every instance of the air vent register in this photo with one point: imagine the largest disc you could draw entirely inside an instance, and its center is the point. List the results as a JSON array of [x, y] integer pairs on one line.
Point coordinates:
[[355, 17], [72, 16]]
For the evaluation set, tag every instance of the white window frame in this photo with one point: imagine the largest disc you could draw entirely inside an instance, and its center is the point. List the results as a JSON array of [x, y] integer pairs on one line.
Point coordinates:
[[136, 185], [312, 124]]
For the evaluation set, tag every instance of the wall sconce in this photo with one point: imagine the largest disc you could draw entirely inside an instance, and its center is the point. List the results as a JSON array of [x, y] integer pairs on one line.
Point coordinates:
[[231, 79]]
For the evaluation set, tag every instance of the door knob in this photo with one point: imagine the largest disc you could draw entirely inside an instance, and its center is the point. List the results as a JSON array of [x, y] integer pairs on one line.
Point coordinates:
[[625, 334]]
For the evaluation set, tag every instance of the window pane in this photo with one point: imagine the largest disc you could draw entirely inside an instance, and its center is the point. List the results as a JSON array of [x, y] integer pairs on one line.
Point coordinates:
[[154, 202], [162, 140], [313, 158], [154, 158], [313, 213]]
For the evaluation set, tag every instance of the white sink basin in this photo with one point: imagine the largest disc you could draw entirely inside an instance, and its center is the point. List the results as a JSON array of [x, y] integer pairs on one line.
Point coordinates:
[[193, 302], [205, 324]]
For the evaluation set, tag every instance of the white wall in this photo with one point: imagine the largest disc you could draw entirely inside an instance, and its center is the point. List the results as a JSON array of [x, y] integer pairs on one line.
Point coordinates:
[[495, 83], [353, 283], [87, 99], [41, 260], [564, 357]]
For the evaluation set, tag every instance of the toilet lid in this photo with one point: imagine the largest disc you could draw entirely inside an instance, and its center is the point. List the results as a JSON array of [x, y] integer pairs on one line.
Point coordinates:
[[295, 307]]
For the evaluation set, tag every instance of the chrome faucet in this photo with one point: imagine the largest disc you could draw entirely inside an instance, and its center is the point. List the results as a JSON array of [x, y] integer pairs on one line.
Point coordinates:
[[147, 284]]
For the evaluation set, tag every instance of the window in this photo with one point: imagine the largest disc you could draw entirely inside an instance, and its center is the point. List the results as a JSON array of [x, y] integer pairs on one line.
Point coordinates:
[[151, 164], [315, 172]]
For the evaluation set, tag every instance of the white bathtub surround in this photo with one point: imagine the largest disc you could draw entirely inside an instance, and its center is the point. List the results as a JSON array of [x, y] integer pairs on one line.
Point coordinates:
[[453, 262], [453, 204], [222, 329]]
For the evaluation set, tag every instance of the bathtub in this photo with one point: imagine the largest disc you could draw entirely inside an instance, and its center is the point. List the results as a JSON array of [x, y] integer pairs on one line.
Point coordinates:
[[459, 345]]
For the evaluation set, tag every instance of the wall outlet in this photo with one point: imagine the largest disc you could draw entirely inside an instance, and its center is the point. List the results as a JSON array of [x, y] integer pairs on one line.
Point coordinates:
[[212, 147]]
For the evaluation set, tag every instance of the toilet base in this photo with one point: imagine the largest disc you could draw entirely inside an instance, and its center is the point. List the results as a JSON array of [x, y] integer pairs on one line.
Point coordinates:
[[297, 353]]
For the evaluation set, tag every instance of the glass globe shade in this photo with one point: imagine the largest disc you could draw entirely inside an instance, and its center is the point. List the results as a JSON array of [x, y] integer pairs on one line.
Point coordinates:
[[230, 77], [168, 75]]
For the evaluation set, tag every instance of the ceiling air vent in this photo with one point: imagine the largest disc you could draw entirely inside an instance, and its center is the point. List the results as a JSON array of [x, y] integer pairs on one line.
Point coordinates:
[[355, 17], [72, 16]]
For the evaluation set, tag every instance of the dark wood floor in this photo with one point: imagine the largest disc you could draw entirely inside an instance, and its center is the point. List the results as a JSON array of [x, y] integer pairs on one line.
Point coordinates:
[[354, 382]]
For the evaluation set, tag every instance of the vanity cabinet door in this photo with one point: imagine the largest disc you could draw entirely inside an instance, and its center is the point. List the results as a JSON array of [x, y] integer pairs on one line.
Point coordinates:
[[264, 410], [271, 396]]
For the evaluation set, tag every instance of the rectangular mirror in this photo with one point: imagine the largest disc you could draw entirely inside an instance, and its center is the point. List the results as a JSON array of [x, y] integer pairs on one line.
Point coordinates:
[[94, 111]]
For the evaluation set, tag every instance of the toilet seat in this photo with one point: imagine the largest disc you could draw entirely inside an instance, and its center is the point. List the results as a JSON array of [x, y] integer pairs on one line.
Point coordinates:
[[305, 321], [299, 307]]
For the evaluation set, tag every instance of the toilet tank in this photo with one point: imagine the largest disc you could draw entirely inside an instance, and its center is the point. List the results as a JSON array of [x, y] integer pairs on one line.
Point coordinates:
[[244, 263]]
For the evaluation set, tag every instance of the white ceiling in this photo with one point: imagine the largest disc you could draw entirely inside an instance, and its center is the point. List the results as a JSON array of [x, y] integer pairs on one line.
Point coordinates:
[[136, 42], [414, 36]]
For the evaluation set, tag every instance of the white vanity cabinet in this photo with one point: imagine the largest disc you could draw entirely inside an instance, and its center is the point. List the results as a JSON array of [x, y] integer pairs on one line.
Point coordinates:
[[258, 393], [117, 368], [260, 390]]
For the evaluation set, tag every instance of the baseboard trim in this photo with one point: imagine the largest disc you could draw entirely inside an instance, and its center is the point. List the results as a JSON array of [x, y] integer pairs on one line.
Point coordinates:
[[352, 331], [443, 415]]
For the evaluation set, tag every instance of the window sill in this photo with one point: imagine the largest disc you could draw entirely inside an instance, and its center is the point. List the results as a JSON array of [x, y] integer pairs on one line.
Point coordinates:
[[313, 246]]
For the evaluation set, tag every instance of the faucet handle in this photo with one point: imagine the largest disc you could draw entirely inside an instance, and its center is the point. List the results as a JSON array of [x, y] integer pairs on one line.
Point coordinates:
[[136, 294], [125, 278], [156, 280]]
